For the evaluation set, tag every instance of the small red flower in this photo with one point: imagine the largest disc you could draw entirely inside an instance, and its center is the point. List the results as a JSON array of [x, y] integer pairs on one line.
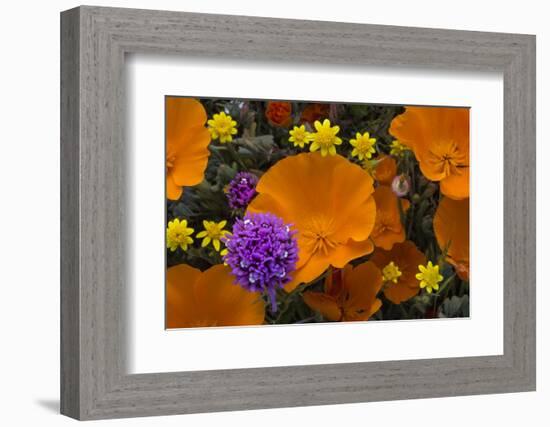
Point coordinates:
[[315, 112], [279, 113]]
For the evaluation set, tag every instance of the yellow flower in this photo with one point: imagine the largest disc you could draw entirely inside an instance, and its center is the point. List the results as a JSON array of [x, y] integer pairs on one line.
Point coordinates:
[[178, 234], [325, 138], [300, 136], [222, 127], [391, 273], [363, 146], [429, 277], [212, 232], [398, 149]]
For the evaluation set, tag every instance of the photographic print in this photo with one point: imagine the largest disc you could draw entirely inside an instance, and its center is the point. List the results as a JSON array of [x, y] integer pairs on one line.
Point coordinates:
[[296, 212]]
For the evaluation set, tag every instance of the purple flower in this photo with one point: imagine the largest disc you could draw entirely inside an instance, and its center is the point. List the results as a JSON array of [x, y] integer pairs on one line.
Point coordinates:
[[241, 190], [262, 253]]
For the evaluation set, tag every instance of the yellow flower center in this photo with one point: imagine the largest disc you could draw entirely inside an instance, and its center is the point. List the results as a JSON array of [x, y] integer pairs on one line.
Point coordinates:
[[429, 277], [325, 138], [391, 273], [213, 232]]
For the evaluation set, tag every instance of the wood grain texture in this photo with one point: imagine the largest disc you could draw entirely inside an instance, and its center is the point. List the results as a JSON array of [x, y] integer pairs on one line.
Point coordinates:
[[70, 291], [94, 382]]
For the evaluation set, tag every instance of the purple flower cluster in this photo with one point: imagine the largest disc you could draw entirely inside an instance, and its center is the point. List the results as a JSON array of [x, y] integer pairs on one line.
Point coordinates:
[[262, 252], [241, 190]]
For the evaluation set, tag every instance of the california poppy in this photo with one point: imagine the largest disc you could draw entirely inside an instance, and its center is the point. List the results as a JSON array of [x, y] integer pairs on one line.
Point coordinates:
[[399, 267], [186, 144], [452, 231], [328, 200], [440, 139], [279, 113], [349, 294], [385, 169], [209, 298], [388, 228]]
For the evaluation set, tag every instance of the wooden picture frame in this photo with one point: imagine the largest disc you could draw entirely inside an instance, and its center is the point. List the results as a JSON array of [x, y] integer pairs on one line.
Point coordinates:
[[94, 382]]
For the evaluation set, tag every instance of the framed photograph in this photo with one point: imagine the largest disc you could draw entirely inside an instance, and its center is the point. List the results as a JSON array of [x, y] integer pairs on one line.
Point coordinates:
[[262, 213]]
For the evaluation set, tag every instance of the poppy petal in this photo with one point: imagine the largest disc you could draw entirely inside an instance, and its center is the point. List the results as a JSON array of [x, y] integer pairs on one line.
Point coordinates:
[[324, 304]]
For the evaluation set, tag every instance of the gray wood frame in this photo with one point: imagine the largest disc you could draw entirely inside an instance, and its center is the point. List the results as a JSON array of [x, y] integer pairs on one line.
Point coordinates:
[[94, 41]]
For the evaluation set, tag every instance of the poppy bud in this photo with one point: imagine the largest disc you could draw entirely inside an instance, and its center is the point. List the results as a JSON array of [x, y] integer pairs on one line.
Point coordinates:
[[400, 185]]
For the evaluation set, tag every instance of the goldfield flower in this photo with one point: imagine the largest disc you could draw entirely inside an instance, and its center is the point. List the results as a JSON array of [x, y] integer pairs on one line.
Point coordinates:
[[363, 146], [397, 149], [452, 230], [209, 298], [325, 139], [222, 127], [388, 228], [299, 136], [399, 267], [178, 235], [330, 204], [440, 140], [262, 253], [429, 277], [187, 142], [241, 190], [212, 232], [349, 294]]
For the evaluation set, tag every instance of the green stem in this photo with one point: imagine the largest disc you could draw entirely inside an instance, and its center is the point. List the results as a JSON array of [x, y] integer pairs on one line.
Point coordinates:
[[445, 284], [235, 156], [296, 290]]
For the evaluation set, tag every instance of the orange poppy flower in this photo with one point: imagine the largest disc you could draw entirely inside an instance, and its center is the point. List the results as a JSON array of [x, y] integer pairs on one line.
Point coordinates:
[[187, 142], [314, 112], [388, 228], [452, 231], [329, 202], [279, 113], [385, 170], [349, 294], [399, 267], [440, 139], [209, 298]]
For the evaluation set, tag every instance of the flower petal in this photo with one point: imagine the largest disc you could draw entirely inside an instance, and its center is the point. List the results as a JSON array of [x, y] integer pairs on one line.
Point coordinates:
[[226, 303], [181, 307], [362, 284], [173, 191], [187, 139], [452, 230], [324, 304]]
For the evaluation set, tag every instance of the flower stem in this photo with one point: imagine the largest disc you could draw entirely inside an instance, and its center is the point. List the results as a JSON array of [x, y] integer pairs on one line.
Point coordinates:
[[235, 156]]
